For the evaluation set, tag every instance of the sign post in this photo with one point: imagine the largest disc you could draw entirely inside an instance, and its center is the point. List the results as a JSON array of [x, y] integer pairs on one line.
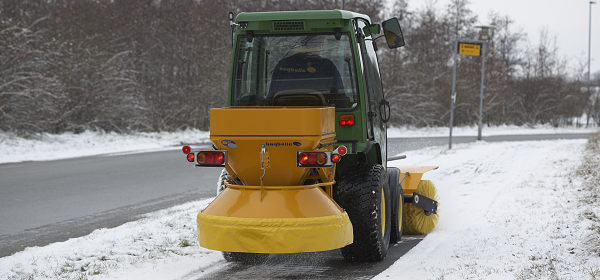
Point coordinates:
[[481, 95], [453, 95], [472, 48]]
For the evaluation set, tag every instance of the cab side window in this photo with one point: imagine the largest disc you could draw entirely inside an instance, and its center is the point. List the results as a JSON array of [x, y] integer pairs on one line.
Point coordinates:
[[372, 85], [371, 68]]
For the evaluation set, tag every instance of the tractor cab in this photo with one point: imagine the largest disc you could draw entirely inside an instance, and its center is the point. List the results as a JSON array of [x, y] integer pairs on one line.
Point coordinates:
[[316, 58]]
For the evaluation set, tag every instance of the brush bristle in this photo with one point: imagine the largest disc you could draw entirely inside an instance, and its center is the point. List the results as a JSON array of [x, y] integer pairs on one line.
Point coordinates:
[[415, 220]]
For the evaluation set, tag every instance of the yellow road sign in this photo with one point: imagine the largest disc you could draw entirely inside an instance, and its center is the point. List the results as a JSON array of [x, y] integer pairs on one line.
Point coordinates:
[[469, 49]]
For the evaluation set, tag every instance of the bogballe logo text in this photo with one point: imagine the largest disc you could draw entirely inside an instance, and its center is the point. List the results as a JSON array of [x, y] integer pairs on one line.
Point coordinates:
[[284, 144], [297, 70]]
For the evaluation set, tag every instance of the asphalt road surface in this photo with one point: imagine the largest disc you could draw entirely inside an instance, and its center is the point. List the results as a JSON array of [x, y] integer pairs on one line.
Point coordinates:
[[319, 265], [52, 201]]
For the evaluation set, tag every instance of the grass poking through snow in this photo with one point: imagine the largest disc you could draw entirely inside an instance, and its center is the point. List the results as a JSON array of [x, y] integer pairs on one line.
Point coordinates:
[[590, 197]]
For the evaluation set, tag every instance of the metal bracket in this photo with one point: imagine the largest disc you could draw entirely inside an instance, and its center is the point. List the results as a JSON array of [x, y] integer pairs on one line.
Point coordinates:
[[337, 33], [327, 144], [400, 186], [263, 153], [418, 200], [265, 161], [400, 183], [249, 35]]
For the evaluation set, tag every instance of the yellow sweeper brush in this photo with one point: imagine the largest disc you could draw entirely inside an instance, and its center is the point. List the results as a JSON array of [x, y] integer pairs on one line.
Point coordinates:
[[417, 220], [420, 200]]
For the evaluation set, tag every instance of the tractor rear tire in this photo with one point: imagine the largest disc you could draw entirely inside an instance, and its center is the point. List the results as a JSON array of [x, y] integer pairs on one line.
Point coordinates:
[[224, 177], [245, 258], [364, 193], [397, 196], [221, 182]]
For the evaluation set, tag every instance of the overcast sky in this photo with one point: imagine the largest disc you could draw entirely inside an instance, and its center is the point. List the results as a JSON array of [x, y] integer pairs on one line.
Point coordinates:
[[567, 20]]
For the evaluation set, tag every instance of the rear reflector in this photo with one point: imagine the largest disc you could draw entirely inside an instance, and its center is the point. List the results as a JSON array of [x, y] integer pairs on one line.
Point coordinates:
[[342, 150], [186, 149]]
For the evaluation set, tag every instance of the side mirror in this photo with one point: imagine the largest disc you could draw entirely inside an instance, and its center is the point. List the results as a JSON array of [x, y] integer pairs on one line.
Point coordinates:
[[393, 33]]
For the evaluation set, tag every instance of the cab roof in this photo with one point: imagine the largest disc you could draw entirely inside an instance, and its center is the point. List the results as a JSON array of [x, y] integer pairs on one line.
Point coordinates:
[[300, 15]]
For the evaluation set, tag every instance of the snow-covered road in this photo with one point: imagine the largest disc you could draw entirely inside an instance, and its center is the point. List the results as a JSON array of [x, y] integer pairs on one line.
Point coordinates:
[[508, 210]]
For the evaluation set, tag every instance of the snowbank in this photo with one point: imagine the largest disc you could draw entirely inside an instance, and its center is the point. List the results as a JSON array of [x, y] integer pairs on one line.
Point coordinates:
[[412, 132], [69, 145]]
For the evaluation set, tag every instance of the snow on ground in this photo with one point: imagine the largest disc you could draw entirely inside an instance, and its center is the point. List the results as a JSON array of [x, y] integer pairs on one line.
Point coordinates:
[[508, 210], [68, 145], [408, 132], [160, 245]]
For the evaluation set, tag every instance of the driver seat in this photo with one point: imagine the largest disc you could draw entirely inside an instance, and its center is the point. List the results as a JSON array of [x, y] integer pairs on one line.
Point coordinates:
[[303, 79]]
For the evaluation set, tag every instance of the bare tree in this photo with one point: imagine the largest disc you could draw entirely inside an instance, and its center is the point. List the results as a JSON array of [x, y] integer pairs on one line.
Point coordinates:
[[27, 88], [128, 65]]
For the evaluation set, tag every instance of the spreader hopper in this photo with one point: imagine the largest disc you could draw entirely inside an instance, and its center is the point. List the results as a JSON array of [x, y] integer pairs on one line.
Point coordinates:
[[267, 207]]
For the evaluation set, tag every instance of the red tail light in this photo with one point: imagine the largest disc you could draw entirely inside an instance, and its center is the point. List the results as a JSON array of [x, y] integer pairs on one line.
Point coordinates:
[[303, 159], [211, 158], [346, 119], [335, 158], [190, 157], [219, 158], [314, 159]]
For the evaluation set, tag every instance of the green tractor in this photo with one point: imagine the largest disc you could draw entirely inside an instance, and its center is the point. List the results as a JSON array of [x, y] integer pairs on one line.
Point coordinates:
[[303, 143]]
